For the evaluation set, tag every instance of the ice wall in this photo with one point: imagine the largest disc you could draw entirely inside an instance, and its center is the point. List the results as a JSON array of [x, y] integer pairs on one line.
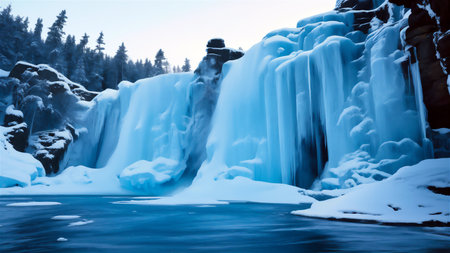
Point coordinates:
[[322, 100]]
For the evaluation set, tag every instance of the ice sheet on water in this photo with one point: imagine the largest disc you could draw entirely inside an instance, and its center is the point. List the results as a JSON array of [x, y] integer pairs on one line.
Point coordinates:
[[65, 217], [80, 223], [34, 203]]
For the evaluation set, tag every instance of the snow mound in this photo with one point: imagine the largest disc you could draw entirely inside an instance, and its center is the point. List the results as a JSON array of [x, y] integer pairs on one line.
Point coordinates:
[[16, 168], [11, 111], [417, 194], [148, 176]]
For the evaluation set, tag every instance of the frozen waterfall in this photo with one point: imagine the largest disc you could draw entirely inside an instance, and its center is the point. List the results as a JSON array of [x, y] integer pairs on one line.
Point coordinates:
[[324, 105], [320, 100]]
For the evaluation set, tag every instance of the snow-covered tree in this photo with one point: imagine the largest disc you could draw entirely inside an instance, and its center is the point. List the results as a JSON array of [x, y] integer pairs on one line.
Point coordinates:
[[37, 33], [55, 34], [69, 52], [121, 58], [187, 65], [100, 43], [160, 63]]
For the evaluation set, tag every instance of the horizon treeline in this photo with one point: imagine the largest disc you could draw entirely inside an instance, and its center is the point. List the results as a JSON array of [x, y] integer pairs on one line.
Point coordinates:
[[90, 67]]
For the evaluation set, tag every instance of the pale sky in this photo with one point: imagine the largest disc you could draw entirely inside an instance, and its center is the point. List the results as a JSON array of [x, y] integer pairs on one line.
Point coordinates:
[[180, 27]]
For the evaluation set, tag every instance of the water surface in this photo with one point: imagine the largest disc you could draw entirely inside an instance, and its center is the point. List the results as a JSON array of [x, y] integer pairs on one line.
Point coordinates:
[[106, 227]]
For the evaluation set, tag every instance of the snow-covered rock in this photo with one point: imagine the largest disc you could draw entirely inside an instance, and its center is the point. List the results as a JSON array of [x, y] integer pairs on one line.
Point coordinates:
[[42, 104], [16, 168], [47, 73], [414, 194]]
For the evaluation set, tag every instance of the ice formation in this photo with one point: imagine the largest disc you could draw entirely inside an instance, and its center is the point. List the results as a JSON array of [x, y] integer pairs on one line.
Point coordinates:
[[331, 104], [319, 100]]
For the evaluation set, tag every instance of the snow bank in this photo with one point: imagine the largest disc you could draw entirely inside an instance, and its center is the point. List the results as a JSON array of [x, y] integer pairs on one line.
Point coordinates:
[[11, 111], [16, 168], [414, 194]]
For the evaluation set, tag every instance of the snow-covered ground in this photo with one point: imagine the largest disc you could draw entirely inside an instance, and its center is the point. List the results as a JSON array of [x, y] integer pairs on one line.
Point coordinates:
[[414, 194]]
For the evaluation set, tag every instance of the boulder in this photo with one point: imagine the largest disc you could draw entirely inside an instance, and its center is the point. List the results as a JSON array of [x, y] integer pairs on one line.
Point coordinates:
[[50, 147], [17, 130], [216, 43], [46, 73]]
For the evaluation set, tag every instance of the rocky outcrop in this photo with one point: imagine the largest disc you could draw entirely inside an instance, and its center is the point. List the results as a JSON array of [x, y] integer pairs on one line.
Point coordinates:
[[217, 55], [38, 105], [48, 74], [49, 147], [441, 142], [17, 133], [204, 97], [365, 13], [428, 33]]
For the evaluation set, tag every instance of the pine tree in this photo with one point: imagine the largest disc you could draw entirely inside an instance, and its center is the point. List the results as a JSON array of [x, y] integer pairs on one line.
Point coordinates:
[[121, 61], [79, 75], [83, 42], [54, 36], [69, 52], [187, 65], [26, 22], [21, 42], [148, 68], [100, 43], [92, 68], [160, 63], [7, 31], [38, 29]]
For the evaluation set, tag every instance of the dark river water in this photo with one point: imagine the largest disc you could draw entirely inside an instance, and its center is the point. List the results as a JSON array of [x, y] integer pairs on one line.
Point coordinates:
[[106, 227]]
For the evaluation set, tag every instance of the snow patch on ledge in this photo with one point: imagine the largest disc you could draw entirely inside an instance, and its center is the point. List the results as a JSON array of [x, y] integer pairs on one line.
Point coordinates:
[[415, 195]]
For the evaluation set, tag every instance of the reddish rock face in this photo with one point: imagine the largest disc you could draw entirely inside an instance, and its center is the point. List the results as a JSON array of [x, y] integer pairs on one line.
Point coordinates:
[[428, 33]]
